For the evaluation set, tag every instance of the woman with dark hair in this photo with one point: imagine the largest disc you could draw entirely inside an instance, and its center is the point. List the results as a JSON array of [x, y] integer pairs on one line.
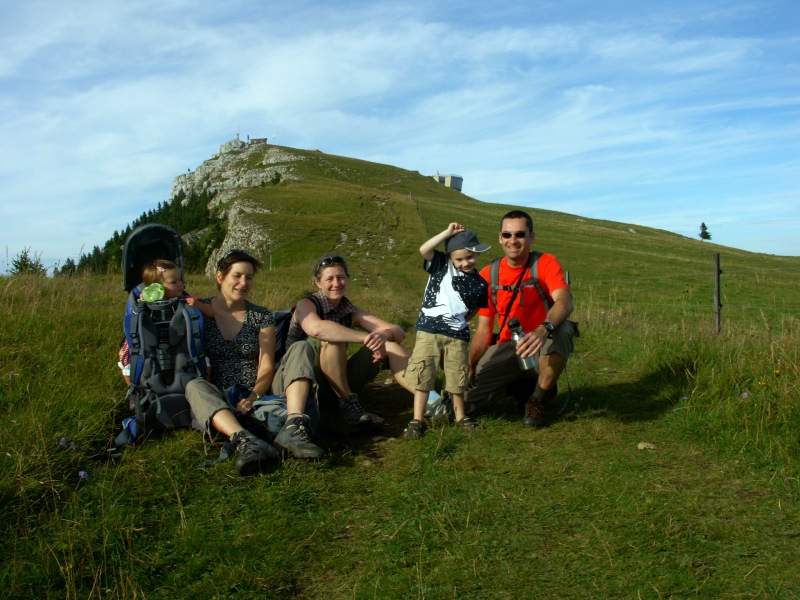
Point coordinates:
[[240, 342], [329, 321]]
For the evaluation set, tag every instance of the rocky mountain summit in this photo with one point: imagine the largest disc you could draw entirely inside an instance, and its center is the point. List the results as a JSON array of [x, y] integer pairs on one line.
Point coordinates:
[[272, 197], [229, 172], [237, 167]]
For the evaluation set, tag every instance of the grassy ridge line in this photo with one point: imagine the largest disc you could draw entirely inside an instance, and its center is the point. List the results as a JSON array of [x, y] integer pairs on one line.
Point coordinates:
[[355, 207]]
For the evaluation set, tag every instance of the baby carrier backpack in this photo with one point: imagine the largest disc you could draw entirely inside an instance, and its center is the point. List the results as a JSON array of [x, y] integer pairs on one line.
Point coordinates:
[[165, 339]]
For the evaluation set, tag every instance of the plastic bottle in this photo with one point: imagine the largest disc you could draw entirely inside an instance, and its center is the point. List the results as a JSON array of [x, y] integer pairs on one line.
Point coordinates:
[[525, 364], [153, 292]]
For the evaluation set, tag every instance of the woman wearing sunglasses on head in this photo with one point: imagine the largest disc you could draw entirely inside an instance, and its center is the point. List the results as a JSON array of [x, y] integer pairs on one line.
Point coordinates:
[[330, 322]]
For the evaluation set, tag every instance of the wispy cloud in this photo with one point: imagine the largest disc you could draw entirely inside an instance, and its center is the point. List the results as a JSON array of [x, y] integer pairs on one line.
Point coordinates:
[[661, 116]]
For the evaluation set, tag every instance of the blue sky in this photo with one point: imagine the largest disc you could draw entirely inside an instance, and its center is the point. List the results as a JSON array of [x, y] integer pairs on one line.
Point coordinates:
[[658, 114]]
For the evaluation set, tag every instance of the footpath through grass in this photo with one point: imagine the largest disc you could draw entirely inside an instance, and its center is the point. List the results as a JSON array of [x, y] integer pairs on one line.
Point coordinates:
[[574, 511]]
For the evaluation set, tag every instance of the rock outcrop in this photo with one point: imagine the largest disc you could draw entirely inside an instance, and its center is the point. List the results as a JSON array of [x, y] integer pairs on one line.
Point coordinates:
[[228, 173], [242, 233]]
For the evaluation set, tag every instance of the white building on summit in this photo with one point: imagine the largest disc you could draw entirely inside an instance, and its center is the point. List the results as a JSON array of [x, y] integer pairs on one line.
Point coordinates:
[[451, 181]]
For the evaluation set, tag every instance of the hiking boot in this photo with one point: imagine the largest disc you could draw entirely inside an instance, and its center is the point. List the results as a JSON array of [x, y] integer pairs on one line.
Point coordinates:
[[353, 414], [254, 453], [295, 437], [468, 424], [415, 430], [535, 414]]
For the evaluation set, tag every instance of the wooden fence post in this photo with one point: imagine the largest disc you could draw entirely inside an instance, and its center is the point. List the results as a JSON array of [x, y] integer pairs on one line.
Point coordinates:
[[717, 303]]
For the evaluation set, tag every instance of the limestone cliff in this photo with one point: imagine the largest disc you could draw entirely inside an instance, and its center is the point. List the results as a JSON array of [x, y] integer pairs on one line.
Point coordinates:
[[237, 167], [228, 173]]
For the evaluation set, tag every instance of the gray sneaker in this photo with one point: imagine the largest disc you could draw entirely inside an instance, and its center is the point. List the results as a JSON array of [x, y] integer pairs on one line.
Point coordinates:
[[254, 453], [353, 414], [468, 424], [414, 430], [295, 437]]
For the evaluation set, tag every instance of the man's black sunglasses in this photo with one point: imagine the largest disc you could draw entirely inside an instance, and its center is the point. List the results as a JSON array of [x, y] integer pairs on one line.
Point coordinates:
[[516, 234]]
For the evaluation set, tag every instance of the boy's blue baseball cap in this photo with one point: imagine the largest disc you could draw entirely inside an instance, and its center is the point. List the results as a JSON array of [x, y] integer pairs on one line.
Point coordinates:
[[465, 239]]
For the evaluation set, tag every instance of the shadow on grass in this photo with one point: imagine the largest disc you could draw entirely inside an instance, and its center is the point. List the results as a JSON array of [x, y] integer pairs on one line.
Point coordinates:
[[644, 399], [348, 443]]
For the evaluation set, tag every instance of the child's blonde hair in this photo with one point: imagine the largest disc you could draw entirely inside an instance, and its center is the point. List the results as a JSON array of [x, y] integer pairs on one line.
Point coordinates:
[[154, 272]]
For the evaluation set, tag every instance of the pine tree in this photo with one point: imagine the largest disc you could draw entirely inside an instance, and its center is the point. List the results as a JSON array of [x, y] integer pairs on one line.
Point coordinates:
[[27, 263], [704, 235], [194, 215], [68, 269]]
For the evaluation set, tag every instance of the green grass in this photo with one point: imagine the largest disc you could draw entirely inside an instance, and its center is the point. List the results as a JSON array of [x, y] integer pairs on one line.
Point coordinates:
[[711, 512], [574, 511]]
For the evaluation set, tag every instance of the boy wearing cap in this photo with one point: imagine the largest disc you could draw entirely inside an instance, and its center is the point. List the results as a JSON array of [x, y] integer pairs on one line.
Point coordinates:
[[454, 293]]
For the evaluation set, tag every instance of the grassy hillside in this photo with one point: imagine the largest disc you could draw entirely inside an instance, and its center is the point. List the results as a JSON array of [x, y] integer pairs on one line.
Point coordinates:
[[574, 511], [377, 215]]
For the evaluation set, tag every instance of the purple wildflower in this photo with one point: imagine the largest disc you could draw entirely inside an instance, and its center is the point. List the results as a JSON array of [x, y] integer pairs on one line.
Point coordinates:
[[73, 445], [746, 395], [62, 442], [83, 475]]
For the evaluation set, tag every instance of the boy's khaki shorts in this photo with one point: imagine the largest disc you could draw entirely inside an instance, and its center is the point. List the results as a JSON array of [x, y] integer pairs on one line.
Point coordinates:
[[432, 352]]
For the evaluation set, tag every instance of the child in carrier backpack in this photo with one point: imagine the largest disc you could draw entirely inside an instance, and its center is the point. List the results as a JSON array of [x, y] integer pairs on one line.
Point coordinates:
[[167, 274], [454, 293]]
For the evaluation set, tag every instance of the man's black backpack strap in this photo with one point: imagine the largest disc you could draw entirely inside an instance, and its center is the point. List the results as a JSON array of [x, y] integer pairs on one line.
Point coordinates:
[[534, 280]]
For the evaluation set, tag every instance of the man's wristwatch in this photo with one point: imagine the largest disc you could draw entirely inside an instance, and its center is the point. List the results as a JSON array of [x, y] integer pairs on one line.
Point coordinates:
[[549, 326]]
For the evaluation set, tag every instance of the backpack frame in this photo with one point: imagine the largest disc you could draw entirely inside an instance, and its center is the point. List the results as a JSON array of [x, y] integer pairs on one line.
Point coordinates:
[[145, 244], [165, 339]]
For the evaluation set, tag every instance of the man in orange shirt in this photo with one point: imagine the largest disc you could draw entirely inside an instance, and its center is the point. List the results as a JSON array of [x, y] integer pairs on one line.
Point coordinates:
[[548, 333]]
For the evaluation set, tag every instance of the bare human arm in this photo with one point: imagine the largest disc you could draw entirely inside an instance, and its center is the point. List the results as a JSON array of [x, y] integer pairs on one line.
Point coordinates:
[[428, 247], [481, 341], [380, 332], [306, 315], [560, 311], [376, 332], [266, 369], [205, 309]]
